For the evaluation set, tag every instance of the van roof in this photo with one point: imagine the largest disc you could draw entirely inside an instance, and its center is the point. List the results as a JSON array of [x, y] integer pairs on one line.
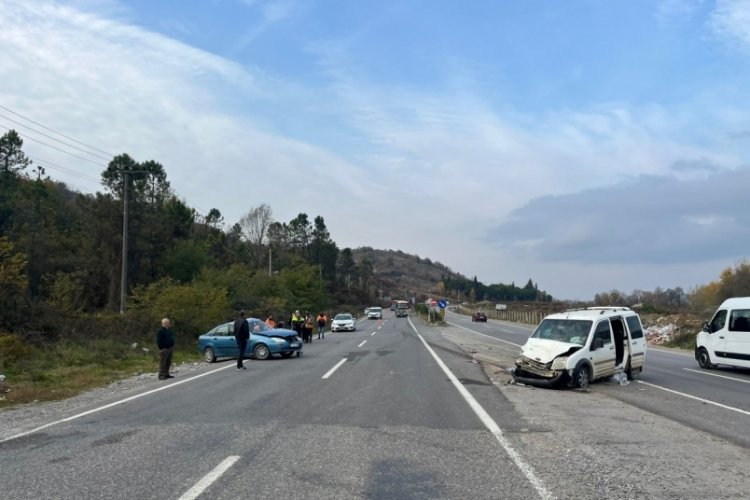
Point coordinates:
[[592, 313], [735, 302]]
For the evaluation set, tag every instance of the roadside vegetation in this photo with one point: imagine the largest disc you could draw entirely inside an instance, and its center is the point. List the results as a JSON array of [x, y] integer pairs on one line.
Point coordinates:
[[64, 329]]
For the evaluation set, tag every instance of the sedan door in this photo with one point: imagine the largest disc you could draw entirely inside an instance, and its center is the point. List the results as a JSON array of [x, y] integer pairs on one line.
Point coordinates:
[[225, 344]]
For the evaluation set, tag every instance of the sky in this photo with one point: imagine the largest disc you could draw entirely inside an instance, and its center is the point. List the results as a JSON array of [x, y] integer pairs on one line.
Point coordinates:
[[586, 145]]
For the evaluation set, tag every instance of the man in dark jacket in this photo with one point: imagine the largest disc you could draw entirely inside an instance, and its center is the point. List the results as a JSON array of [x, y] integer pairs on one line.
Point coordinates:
[[165, 343], [241, 335]]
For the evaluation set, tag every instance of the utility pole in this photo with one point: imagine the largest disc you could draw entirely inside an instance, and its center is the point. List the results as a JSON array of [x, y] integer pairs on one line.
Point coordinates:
[[124, 273], [269, 261]]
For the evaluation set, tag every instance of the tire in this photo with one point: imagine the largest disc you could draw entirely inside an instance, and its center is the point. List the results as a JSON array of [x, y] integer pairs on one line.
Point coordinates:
[[704, 360], [299, 354], [286, 354], [261, 352], [209, 355], [634, 373], [581, 377]]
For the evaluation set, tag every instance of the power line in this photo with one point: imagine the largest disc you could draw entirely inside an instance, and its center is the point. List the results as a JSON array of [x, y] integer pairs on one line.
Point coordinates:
[[56, 139], [49, 164], [56, 148], [109, 155]]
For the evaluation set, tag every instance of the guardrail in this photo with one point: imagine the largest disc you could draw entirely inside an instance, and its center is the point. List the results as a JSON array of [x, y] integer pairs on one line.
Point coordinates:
[[512, 315]]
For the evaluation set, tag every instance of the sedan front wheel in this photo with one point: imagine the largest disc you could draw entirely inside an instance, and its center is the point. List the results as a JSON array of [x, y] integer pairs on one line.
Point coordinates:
[[261, 352]]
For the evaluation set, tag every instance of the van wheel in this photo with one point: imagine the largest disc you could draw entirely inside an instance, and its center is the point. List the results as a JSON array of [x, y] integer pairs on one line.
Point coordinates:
[[634, 373], [581, 377], [704, 360]]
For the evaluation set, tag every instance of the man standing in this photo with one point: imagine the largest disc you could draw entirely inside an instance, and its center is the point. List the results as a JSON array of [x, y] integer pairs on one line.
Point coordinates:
[[165, 343], [241, 335], [322, 320]]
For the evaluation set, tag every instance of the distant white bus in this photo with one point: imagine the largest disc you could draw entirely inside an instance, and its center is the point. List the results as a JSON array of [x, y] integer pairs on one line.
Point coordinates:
[[402, 308]]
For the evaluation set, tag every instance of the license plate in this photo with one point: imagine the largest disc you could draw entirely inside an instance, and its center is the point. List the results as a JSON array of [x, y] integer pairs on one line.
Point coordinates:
[[294, 344]]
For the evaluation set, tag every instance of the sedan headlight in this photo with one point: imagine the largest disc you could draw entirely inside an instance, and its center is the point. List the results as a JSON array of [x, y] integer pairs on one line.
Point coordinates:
[[559, 363], [278, 340]]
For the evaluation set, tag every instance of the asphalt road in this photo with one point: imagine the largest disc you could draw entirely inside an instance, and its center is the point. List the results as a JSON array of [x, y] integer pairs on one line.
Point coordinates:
[[672, 384], [395, 410], [388, 422]]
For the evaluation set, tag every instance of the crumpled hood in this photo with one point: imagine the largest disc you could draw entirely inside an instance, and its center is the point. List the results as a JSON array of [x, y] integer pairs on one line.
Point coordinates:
[[280, 332], [544, 350]]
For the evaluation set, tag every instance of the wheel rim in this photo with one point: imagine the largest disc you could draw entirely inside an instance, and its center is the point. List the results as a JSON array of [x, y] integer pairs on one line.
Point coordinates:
[[583, 378], [208, 355], [261, 352]]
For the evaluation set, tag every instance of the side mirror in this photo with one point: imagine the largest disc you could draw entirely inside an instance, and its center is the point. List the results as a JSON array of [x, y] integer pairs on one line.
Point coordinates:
[[706, 327], [597, 344]]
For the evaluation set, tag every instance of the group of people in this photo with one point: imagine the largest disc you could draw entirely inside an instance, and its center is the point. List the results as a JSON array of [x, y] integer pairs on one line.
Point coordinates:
[[305, 325]]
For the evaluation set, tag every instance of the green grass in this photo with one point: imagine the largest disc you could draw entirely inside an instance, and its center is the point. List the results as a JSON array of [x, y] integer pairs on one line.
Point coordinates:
[[68, 368]]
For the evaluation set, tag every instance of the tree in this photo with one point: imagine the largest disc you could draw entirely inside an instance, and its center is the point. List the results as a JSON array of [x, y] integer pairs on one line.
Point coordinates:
[[255, 224], [12, 158]]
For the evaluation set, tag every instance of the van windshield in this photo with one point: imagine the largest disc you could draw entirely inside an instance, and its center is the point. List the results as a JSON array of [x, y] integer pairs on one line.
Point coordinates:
[[572, 331]]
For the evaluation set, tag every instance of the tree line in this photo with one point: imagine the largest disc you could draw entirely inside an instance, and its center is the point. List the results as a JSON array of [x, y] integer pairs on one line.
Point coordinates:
[[61, 253]]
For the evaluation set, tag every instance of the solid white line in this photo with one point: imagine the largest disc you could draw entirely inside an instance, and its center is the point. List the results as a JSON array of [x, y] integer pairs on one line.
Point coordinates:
[[707, 401], [116, 403], [209, 478], [717, 375], [363, 342], [330, 372], [484, 335], [488, 422]]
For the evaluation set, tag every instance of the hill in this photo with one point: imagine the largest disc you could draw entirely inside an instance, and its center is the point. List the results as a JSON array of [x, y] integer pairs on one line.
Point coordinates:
[[398, 275]]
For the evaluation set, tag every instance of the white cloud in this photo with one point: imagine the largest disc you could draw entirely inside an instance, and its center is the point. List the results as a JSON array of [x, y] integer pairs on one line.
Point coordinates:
[[731, 22]]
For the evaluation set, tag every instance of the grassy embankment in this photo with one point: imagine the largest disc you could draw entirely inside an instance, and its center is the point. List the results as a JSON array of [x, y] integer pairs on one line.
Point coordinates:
[[59, 369]]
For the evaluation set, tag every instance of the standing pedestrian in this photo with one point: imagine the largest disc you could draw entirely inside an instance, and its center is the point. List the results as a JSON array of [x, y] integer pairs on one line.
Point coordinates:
[[165, 343], [309, 325], [297, 321], [322, 320], [270, 322], [241, 335]]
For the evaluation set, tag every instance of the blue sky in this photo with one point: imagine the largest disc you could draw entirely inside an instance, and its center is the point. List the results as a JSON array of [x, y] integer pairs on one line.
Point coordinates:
[[587, 145]]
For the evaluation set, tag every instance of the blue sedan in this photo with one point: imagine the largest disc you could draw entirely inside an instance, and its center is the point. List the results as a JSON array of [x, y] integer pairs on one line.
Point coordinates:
[[264, 341]]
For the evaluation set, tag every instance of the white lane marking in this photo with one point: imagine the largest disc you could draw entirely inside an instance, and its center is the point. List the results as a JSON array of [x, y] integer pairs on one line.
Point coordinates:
[[707, 401], [717, 375], [364, 341], [209, 479], [330, 372], [373, 333], [116, 403], [484, 335], [488, 422]]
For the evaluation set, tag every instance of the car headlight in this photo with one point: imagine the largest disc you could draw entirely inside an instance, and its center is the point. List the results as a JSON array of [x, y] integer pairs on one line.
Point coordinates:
[[278, 340], [559, 363]]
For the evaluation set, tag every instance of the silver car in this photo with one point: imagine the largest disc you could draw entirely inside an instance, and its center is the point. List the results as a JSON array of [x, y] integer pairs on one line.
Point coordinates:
[[343, 322]]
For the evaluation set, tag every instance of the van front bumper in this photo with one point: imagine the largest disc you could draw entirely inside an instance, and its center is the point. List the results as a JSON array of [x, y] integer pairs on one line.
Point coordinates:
[[555, 379]]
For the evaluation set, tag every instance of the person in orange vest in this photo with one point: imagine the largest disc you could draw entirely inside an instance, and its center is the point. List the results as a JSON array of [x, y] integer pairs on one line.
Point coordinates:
[[270, 322], [322, 319]]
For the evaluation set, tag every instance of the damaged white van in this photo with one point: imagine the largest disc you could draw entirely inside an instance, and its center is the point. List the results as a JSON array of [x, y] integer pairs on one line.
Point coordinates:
[[577, 346], [726, 339]]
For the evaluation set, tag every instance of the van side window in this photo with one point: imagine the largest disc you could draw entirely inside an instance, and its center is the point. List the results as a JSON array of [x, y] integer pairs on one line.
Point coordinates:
[[603, 333], [634, 325], [720, 318], [739, 320]]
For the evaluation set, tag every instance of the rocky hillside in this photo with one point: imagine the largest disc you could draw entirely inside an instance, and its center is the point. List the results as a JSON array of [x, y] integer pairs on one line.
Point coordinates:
[[398, 275]]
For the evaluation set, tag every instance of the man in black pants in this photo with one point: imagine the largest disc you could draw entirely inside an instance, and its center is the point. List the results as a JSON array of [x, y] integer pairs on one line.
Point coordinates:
[[241, 335]]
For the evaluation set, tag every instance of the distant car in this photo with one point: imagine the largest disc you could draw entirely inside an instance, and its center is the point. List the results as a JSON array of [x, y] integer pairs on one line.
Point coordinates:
[[263, 343], [343, 322], [375, 313], [479, 316]]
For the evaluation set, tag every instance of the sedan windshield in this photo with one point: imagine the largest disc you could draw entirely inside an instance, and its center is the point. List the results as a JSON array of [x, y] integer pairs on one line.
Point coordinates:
[[571, 331], [342, 317]]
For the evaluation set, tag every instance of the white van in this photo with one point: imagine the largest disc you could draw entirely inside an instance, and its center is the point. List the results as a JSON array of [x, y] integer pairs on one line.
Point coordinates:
[[577, 346], [726, 339]]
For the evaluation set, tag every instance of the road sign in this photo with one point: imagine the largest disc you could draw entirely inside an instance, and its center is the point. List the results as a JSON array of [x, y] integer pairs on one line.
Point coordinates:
[[442, 303]]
